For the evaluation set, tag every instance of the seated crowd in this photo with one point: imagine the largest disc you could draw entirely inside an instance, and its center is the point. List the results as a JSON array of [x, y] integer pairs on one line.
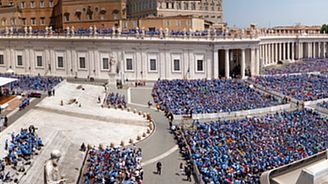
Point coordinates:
[[207, 96], [302, 87], [31, 83], [20, 150], [114, 165], [115, 99], [239, 151], [308, 65]]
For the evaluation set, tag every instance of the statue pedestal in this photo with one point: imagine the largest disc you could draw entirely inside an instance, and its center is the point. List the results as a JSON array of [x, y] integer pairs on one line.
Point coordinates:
[[112, 80]]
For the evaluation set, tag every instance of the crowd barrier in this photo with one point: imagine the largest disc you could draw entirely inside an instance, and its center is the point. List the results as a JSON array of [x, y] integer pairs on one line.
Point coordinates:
[[196, 173], [236, 113], [315, 102]]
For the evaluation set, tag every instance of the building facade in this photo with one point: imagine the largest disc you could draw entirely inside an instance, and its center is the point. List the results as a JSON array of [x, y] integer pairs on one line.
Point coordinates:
[[150, 58], [209, 10], [176, 23], [83, 13], [61, 13], [35, 13]]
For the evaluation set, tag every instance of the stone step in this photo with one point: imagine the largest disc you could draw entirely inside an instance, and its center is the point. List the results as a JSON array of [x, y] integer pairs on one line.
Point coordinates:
[[121, 120], [36, 172]]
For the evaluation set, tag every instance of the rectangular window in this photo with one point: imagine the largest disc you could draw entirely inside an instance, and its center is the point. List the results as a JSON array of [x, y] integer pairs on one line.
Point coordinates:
[[105, 63], [24, 21], [51, 3], [33, 22], [200, 65], [39, 61], [19, 60], [152, 64], [176, 65], [129, 64], [60, 62], [32, 4], [41, 4], [82, 62], [2, 61], [22, 5], [42, 22]]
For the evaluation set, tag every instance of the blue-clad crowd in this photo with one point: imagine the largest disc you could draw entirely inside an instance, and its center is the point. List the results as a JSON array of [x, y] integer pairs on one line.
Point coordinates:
[[302, 87], [32, 83], [207, 96], [238, 151], [20, 149], [115, 99], [114, 166], [305, 66]]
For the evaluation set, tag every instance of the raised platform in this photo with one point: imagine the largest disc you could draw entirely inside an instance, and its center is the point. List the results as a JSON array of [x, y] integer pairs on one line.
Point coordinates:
[[66, 127]]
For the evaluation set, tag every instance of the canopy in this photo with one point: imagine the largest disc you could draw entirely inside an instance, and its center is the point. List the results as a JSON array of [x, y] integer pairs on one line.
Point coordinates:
[[4, 80]]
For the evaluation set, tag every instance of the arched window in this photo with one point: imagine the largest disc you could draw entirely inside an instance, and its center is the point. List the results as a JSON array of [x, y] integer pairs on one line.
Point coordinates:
[[116, 14], [66, 15]]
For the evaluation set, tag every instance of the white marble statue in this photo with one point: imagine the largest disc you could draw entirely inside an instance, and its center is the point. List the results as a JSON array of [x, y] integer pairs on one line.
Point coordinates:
[[112, 64], [73, 30], [52, 173]]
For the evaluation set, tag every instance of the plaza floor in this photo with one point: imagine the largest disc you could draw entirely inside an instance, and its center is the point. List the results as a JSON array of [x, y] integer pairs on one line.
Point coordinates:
[[66, 127]]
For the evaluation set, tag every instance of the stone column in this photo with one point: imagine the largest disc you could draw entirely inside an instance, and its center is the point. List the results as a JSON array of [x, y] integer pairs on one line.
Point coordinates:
[[324, 50], [267, 55], [288, 51], [253, 62], [243, 63], [283, 51], [271, 53], [319, 49], [227, 64], [293, 51], [276, 59], [314, 49], [309, 54], [216, 64], [257, 63], [280, 51]]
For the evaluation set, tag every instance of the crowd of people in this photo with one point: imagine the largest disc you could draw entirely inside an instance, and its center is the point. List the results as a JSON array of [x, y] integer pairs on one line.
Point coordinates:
[[302, 87], [305, 66], [114, 165], [239, 151], [207, 96], [20, 150], [115, 99], [31, 83]]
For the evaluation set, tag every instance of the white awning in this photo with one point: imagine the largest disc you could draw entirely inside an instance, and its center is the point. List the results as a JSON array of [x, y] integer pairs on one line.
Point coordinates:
[[4, 80]]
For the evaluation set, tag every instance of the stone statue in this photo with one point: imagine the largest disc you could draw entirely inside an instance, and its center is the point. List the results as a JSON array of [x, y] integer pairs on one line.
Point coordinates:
[[52, 174], [7, 31], [30, 30], [68, 31], [112, 64], [25, 30], [73, 30]]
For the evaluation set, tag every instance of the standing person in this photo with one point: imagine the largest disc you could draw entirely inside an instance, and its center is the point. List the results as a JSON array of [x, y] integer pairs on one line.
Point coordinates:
[[188, 173], [159, 168], [6, 122]]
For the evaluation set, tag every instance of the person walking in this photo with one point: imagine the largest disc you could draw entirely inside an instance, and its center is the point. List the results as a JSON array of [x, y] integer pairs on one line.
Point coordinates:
[[6, 122], [188, 173], [159, 168]]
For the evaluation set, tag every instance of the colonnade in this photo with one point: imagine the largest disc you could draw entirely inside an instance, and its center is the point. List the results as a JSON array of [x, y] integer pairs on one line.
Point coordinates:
[[248, 59], [272, 53]]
